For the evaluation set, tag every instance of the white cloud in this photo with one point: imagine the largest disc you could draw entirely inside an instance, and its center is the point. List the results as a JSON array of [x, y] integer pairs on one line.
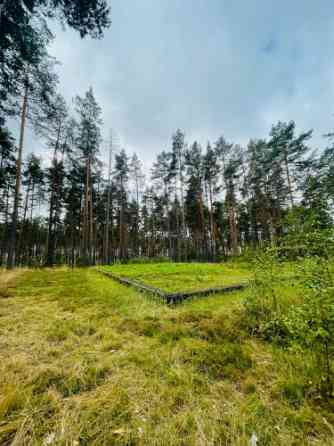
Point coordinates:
[[223, 66]]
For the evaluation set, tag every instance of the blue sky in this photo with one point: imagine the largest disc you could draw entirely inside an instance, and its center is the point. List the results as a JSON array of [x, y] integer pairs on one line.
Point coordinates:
[[209, 67]]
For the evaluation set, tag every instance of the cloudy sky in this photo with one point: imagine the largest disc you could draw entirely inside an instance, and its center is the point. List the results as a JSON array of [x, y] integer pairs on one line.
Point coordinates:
[[209, 67]]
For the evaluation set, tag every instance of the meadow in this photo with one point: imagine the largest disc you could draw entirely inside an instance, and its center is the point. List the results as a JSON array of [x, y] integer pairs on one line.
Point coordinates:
[[87, 361], [178, 277]]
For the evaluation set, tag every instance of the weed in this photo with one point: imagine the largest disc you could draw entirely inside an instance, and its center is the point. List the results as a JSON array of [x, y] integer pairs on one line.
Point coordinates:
[[221, 361]]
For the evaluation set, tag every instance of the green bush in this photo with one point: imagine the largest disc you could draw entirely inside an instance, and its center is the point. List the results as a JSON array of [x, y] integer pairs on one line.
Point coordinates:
[[262, 303], [312, 323], [309, 323]]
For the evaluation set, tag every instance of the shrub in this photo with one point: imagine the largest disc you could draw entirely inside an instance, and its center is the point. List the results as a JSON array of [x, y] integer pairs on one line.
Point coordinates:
[[309, 323], [312, 323], [262, 304]]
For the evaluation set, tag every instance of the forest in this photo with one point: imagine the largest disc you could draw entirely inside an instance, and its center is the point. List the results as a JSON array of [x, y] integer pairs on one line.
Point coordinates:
[[196, 202], [189, 302]]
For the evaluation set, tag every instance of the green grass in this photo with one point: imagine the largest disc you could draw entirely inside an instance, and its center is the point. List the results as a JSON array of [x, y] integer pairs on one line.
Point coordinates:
[[87, 361], [178, 277]]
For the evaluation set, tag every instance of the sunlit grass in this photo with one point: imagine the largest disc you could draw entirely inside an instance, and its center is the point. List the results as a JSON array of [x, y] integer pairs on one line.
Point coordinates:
[[86, 361]]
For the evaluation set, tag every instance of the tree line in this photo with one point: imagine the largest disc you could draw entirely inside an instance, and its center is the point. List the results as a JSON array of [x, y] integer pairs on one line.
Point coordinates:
[[196, 203]]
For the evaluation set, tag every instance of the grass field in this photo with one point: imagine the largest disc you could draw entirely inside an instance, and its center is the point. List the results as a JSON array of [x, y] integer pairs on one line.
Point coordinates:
[[87, 361], [176, 277]]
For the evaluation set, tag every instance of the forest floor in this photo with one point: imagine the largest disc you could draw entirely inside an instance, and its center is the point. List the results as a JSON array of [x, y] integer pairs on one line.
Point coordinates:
[[87, 361]]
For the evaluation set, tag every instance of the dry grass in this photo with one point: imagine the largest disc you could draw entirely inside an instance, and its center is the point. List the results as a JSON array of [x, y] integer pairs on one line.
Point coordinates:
[[7, 280], [86, 361]]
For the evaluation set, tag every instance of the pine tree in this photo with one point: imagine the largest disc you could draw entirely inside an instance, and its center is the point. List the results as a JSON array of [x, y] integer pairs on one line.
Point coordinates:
[[326, 168], [162, 178], [137, 176], [24, 31], [88, 143], [227, 154], [121, 177], [288, 150], [58, 130], [73, 198], [231, 175], [194, 199], [34, 182], [177, 171], [266, 191], [211, 175], [7, 182], [38, 88]]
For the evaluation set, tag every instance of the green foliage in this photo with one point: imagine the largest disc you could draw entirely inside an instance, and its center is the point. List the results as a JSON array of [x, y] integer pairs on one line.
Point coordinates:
[[309, 233], [262, 301], [25, 33], [312, 323], [309, 322]]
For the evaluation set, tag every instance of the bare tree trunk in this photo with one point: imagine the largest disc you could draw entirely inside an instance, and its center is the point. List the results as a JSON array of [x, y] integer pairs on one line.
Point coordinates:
[[178, 241], [88, 217], [50, 238], [86, 213], [288, 176], [20, 247], [32, 235], [91, 223], [3, 248], [12, 239], [183, 226], [107, 233], [121, 224], [208, 239], [202, 223], [213, 241], [170, 241], [233, 230], [137, 217]]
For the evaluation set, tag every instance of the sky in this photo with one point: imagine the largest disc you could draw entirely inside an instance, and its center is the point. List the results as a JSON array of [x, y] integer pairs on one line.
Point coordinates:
[[209, 67]]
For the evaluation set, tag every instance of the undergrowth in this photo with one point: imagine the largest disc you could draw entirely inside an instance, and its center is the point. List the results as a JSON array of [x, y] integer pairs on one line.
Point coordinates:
[[296, 314]]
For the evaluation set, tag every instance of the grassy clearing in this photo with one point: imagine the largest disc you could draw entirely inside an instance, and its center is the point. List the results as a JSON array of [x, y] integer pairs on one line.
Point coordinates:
[[86, 361], [177, 277]]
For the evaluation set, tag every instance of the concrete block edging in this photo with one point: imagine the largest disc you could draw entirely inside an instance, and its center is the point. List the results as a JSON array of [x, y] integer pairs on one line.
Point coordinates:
[[170, 298]]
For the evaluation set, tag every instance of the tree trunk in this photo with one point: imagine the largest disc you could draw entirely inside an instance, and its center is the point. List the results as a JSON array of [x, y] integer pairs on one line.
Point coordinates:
[[183, 225], [202, 223], [20, 247], [233, 230], [288, 176], [107, 233], [121, 224], [91, 222], [88, 215], [12, 239], [213, 241]]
